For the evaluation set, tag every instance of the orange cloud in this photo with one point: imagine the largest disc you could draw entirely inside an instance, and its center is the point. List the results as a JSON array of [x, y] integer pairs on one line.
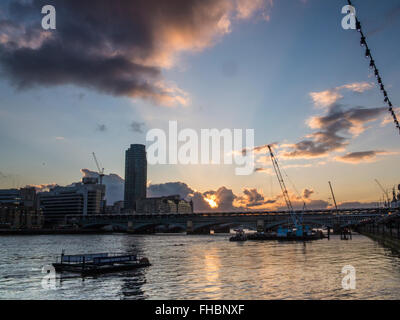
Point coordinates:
[[329, 97]]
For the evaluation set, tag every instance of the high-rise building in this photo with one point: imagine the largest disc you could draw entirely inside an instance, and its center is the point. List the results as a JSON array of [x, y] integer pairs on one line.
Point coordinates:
[[135, 175]]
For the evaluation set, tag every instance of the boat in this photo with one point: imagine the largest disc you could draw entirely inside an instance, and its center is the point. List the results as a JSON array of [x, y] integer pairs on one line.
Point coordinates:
[[288, 234], [296, 230], [97, 263], [240, 236]]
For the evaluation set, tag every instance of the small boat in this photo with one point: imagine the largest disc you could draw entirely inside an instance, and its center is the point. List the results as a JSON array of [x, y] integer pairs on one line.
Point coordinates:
[[240, 236], [97, 263]]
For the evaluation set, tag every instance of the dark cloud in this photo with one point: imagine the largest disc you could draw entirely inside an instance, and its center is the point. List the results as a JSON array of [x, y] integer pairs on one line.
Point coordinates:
[[199, 204], [315, 205], [307, 193], [362, 156], [170, 189], [101, 127], [114, 46], [253, 198], [335, 130], [224, 198], [46, 66], [137, 126]]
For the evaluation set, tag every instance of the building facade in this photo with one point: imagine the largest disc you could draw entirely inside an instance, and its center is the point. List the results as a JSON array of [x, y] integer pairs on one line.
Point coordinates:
[[14, 216], [10, 196], [135, 175], [24, 196], [19, 209], [81, 199], [164, 205], [116, 208]]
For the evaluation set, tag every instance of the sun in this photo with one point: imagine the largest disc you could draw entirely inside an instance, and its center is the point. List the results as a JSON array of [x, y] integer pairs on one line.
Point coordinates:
[[211, 200]]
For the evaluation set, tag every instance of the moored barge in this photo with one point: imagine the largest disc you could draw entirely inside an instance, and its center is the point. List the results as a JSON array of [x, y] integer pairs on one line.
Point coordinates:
[[97, 263]]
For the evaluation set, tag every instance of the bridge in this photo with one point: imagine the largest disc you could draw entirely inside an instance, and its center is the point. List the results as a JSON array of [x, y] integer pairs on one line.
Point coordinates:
[[202, 223]]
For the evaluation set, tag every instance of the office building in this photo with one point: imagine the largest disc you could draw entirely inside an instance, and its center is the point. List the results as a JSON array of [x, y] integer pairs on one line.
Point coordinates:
[[81, 199], [19, 209], [10, 196], [14, 216], [135, 175], [24, 196]]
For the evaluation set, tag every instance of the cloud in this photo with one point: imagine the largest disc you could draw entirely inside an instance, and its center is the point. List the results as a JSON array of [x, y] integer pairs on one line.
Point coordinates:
[[137, 126], [325, 98], [358, 87], [43, 187], [357, 205], [115, 47], [170, 189], [252, 198], [363, 156], [224, 198], [307, 193], [264, 148], [268, 171], [389, 118], [221, 199], [114, 185], [329, 97], [299, 201], [101, 128], [334, 131], [246, 8]]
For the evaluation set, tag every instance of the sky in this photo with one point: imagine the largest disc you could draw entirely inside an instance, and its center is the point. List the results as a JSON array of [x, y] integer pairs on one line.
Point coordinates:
[[287, 69]]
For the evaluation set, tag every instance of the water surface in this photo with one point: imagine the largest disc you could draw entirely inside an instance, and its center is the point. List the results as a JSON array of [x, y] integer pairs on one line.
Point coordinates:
[[203, 267]]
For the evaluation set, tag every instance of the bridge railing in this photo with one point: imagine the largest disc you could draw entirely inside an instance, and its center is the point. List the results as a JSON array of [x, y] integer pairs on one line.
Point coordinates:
[[328, 212]]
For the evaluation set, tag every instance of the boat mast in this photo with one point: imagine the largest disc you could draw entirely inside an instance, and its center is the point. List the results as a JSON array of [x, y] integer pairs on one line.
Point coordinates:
[[283, 187]]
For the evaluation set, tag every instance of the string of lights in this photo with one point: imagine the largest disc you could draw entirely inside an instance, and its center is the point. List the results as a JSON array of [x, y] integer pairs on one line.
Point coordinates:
[[373, 66]]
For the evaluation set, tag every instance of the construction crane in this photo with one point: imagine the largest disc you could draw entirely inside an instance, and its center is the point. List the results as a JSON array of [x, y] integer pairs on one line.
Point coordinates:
[[333, 195], [283, 188], [384, 191], [101, 171], [101, 175]]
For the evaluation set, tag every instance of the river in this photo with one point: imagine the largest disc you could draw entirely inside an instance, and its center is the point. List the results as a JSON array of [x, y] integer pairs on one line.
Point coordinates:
[[203, 267]]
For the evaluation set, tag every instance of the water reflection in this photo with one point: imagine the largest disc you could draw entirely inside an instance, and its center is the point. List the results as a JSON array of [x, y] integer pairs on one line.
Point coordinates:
[[211, 269]]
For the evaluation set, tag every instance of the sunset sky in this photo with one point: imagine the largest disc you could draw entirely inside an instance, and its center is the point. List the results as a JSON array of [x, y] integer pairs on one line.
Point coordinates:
[[287, 69]]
